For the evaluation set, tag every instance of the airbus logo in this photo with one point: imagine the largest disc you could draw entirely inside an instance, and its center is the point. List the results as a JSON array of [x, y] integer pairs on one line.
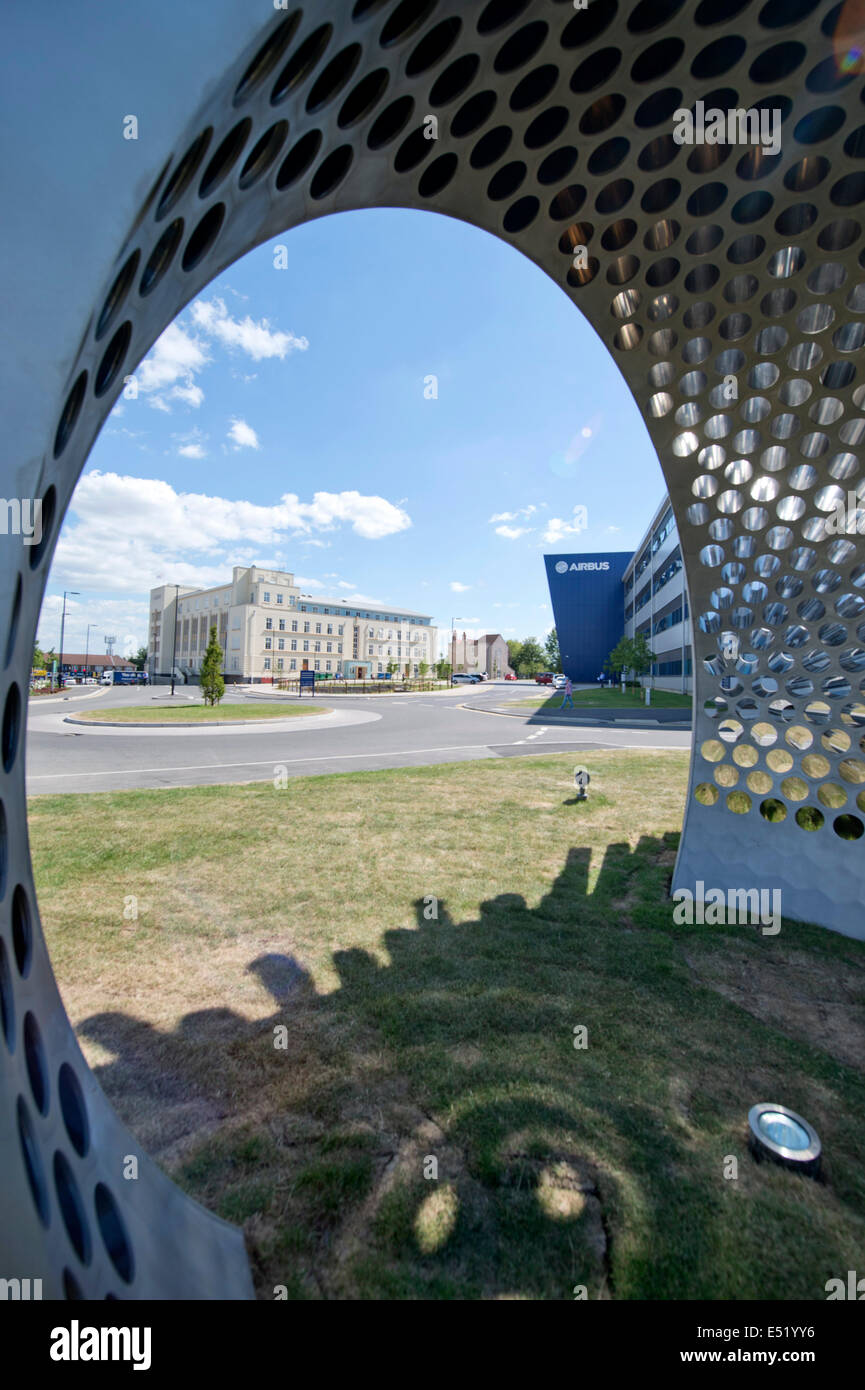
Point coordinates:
[[562, 566]]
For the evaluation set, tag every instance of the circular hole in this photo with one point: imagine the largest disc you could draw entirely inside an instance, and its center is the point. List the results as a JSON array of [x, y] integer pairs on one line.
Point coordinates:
[[437, 176], [490, 147], [546, 127], [602, 114], [112, 360], [506, 180], [266, 58], [113, 1232], [161, 257], [300, 157], [433, 47], [183, 174], [68, 420], [406, 19], [34, 1055], [535, 88], [117, 294], [11, 726], [455, 80], [363, 98], [848, 827], [202, 239], [224, 158], [660, 195], [557, 165], [773, 810], [73, 1109], [569, 201], [521, 214], [301, 63], [7, 1000], [609, 156], [595, 70], [778, 62], [473, 114], [614, 197], [22, 932], [32, 1162], [849, 190], [588, 24], [521, 47], [333, 170], [385, 128], [71, 1207], [263, 154], [334, 77]]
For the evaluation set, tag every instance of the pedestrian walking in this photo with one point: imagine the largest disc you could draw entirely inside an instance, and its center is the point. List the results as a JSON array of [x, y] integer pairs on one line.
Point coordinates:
[[567, 695]]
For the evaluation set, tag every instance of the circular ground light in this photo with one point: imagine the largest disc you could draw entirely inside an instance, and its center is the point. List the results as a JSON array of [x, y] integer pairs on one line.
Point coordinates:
[[779, 1134]]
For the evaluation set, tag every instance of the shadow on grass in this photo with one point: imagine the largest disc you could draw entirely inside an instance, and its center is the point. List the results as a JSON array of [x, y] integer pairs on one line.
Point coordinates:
[[431, 1128]]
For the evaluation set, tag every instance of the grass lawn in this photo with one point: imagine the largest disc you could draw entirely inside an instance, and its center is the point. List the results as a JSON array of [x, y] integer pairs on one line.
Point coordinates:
[[197, 714], [606, 699], [303, 917]]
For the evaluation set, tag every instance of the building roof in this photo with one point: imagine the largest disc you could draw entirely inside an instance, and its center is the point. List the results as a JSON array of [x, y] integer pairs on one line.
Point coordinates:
[[120, 663]]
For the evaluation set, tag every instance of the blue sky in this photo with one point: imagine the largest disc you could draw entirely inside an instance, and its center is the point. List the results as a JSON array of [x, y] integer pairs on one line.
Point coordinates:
[[286, 419]]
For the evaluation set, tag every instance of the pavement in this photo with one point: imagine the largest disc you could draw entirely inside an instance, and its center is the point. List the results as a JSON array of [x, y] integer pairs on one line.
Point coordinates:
[[362, 732]]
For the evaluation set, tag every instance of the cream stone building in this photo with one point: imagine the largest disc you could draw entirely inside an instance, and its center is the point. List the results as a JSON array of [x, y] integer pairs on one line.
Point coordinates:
[[267, 628]]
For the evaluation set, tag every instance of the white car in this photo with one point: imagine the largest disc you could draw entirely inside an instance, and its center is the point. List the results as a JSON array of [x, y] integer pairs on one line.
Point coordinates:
[[559, 682]]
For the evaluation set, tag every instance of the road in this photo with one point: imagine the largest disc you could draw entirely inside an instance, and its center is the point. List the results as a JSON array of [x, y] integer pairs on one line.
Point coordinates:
[[364, 732]]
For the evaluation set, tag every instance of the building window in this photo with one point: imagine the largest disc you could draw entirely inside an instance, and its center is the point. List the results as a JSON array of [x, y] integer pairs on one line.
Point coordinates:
[[327, 665], [339, 646], [294, 626], [267, 663], [268, 623], [281, 644], [282, 624], [292, 665], [306, 646], [339, 632], [279, 598], [294, 644], [318, 666], [280, 663], [268, 643], [267, 597], [318, 627], [330, 646], [330, 627], [318, 646], [306, 627]]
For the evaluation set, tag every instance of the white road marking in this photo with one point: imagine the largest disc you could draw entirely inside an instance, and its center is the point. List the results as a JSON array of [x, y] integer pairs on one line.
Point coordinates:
[[271, 762]]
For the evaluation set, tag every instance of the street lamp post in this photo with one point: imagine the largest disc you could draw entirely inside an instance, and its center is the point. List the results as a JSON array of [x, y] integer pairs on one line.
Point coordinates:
[[87, 648], [62, 630], [174, 644]]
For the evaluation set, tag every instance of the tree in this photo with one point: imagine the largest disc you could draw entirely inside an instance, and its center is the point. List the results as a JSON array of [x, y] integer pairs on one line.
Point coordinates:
[[630, 654], [422, 667], [391, 667], [531, 658], [551, 650], [443, 669], [514, 650], [210, 679], [138, 659]]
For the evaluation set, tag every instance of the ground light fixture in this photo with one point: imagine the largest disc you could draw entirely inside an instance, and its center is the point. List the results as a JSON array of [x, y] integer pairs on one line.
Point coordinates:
[[779, 1134]]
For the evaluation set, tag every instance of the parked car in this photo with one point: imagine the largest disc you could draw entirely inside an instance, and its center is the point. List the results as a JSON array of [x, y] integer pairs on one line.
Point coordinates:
[[464, 678], [559, 682], [544, 678], [510, 676]]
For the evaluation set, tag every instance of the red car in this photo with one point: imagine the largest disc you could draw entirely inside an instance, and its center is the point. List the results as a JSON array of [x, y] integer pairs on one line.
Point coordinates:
[[544, 678], [510, 676]]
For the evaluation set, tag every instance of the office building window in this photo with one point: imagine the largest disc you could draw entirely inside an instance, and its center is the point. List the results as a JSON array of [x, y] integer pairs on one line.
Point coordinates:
[[318, 666], [306, 646], [267, 663], [294, 644], [318, 627], [279, 598], [306, 627], [268, 643], [280, 663], [267, 597], [282, 624], [292, 665], [281, 644], [268, 623], [318, 646], [330, 627], [294, 626]]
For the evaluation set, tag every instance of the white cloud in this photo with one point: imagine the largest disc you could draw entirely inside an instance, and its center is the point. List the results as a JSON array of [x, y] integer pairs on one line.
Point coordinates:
[[257, 339], [243, 435], [512, 533], [504, 516], [344, 584], [191, 395], [127, 534], [175, 356], [557, 528], [458, 588], [192, 451]]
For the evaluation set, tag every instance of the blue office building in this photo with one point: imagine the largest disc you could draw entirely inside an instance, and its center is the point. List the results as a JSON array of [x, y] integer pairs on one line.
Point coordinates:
[[586, 594]]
